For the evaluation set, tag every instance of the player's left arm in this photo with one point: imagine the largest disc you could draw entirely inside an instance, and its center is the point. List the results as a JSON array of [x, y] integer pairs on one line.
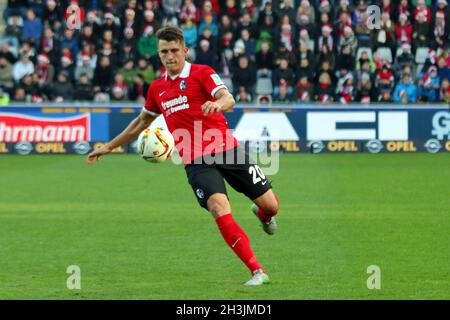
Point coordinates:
[[224, 102]]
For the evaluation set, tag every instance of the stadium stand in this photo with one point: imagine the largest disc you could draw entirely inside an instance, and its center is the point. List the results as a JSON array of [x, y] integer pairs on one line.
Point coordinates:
[[109, 53]]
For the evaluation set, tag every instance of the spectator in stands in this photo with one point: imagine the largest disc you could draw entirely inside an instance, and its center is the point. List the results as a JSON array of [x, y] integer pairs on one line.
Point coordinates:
[[189, 11], [245, 21], [362, 31], [385, 96], [283, 94], [422, 8], [83, 91], [285, 73], [441, 30], [205, 55], [139, 88], [421, 31], [443, 68], [444, 92], [248, 43], [119, 88], [385, 77], [31, 88], [231, 9], [103, 76], [109, 23], [405, 92], [429, 86], [146, 70], [14, 31], [63, 89], [405, 58], [243, 96], [147, 45], [304, 69], [345, 60], [325, 89], [128, 72], [345, 89], [22, 67], [49, 44], [264, 61], [286, 35], [403, 30], [365, 92], [32, 28], [305, 9], [69, 41], [6, 74], [326, 39], [304, 90], [244, 75], [385, 36], [226, 25], [6, 52], [213, 41], [53, 15], [4, 97], [209, 23], [15, 8], [404, 7], [20, 95], [365, 59], [190, 33], [85, 68], [348, 39], [44, 71], [67, 65], [283, 53]]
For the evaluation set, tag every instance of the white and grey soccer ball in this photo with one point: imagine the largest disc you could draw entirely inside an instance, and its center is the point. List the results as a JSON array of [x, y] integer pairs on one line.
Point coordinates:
[[155, 144]]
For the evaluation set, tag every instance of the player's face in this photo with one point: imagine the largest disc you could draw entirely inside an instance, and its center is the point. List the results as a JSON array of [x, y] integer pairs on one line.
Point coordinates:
[[173, 55]]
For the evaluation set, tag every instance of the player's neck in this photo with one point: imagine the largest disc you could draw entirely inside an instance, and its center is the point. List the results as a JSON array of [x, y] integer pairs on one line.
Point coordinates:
[[175, 75]]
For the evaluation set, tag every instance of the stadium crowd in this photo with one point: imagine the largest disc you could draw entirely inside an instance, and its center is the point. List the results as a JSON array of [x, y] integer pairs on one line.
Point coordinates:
[[266, 51]]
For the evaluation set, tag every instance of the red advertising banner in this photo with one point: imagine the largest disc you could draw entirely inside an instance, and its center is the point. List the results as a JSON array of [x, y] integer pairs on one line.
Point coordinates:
[[16, 127]]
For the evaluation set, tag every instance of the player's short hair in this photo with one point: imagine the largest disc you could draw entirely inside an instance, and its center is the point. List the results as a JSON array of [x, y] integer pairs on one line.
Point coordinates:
[[170, 34]]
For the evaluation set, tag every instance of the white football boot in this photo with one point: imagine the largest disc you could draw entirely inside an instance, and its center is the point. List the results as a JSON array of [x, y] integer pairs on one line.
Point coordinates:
[[268, 227], [259, 278]]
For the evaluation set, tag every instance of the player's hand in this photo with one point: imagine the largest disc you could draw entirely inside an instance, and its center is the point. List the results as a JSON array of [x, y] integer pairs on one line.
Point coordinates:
[[210, 107], [97, 153]]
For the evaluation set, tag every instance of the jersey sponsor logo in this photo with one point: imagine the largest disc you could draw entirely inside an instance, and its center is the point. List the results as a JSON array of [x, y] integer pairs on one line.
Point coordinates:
[[19, 127], [175, 105], [216, 79]]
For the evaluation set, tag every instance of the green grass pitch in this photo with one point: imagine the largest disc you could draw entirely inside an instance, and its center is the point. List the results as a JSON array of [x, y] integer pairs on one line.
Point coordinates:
[[136, 230]]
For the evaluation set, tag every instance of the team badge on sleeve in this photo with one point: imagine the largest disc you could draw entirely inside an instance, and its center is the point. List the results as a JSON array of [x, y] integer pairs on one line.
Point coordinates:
[[217, 79]]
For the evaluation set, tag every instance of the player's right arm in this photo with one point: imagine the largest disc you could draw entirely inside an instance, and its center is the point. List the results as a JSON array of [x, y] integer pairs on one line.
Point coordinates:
[[130, 133]]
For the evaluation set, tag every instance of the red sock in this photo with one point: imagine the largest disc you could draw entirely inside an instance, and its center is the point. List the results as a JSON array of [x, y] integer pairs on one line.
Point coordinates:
[[238, 241], [263, 216]]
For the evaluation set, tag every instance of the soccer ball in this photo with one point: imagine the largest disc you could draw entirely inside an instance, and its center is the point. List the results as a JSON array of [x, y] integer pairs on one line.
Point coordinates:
[[155, 144]]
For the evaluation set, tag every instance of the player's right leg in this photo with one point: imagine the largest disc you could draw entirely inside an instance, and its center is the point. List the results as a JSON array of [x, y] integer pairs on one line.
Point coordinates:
[[209, 187], [265, 207]]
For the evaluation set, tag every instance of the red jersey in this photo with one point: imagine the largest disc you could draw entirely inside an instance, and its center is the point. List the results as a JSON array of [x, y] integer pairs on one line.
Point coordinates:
[[179, 100]]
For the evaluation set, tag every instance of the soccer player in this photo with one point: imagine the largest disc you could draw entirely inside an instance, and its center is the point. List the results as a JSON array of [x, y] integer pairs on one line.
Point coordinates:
[[192, 98]]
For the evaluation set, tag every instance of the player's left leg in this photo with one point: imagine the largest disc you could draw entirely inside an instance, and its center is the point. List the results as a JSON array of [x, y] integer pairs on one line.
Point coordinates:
[[266, 208]]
